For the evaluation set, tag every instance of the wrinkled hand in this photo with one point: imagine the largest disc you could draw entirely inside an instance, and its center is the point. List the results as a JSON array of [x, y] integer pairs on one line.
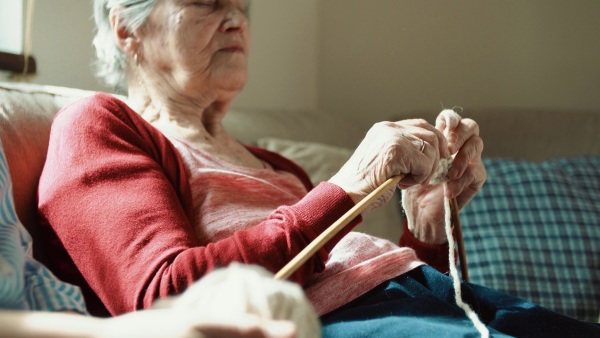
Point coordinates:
[[466, 177], [390, 149]]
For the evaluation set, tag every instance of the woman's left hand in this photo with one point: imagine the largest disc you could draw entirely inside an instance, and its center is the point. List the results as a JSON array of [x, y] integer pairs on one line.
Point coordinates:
[[425, 203]]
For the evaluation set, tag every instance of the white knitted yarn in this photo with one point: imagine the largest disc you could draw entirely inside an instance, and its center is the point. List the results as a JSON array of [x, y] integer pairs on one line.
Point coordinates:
[[249, 289], [441, 172], [440, 176], [483, 330]]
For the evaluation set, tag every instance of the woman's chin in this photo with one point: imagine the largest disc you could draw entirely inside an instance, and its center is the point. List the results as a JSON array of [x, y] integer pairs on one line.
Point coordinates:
[[233, 82]]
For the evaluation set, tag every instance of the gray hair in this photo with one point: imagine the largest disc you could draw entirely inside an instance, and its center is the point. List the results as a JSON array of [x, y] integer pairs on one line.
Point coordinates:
[[111, 62]]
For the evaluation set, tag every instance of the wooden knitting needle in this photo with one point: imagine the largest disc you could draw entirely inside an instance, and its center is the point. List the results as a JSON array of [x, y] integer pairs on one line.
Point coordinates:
[[328, 234], [336, 227], [460, 241]]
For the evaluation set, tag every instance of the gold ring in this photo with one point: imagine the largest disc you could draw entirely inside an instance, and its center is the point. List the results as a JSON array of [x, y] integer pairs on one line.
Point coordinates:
[[421, 146]]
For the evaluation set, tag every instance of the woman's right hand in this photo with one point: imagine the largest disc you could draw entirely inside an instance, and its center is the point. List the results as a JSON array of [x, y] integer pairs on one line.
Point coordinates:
[[390, 149]]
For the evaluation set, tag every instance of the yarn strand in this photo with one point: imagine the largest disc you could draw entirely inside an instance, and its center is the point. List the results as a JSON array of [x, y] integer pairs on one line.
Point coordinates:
[[483, 330]]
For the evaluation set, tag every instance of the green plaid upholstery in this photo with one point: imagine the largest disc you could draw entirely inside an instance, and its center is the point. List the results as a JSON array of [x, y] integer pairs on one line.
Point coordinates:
[[534, 232]]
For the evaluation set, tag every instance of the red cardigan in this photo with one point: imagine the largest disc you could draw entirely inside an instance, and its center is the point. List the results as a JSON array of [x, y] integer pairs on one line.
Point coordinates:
[[114, 205]]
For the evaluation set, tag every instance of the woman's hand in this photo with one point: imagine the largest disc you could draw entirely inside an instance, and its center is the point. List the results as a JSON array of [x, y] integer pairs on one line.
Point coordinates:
[[466, 177], [410, 147]]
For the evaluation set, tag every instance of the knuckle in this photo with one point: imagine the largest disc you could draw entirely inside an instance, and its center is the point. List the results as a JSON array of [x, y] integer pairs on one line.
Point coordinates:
[[432, 138], [388, 124], [377, 127], [471, 125], [421, 121], [417, 122]]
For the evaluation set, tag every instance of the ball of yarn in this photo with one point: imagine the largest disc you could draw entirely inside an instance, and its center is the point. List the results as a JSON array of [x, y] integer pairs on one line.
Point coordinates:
[[250, 289]]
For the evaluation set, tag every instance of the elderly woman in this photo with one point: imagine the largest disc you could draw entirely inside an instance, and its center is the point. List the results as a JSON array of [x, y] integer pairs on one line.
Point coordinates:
[[139, 200]]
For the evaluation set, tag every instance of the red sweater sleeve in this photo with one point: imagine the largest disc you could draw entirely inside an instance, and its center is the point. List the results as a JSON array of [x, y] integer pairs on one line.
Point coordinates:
[[434, 255], [115, 204]]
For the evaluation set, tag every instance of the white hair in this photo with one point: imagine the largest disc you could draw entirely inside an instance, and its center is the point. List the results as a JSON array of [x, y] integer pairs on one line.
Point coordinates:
[[111, 62]]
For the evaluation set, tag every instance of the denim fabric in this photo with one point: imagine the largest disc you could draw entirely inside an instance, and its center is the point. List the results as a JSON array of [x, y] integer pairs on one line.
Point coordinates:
[[421, 304]]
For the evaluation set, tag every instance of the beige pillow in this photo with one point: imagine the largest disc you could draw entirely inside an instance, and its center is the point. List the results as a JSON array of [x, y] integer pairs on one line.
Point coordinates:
[[321, 161]]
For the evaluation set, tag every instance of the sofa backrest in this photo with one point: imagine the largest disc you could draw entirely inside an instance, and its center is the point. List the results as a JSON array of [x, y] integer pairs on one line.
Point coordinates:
[[534, 134], [26, 113]]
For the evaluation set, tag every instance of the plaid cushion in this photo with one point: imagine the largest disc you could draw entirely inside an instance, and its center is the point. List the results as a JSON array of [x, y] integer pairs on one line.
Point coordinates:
[[534, 232]]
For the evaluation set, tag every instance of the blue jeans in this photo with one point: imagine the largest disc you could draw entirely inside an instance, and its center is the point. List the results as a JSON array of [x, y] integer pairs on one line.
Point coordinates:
[[421, 304]]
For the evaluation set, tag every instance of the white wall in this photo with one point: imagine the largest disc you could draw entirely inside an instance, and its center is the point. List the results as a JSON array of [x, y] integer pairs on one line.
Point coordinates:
[[61, 46], [284, 57], [374, 59], [11, 16], [380, 58]]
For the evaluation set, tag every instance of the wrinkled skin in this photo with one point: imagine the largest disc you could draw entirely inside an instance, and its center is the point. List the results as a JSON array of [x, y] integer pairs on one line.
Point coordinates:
[[392, 148]]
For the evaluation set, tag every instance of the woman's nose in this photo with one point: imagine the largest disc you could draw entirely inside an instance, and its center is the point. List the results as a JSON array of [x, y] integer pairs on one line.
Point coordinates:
[[235, 20]]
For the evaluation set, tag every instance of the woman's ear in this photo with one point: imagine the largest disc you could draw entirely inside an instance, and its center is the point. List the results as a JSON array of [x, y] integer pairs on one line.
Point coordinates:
[[126, 40]]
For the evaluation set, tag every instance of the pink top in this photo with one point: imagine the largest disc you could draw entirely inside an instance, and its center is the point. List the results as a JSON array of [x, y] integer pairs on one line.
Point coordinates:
[[228, 198]]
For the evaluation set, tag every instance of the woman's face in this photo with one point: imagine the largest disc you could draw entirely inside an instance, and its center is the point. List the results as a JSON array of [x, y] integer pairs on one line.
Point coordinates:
[[197, 45]]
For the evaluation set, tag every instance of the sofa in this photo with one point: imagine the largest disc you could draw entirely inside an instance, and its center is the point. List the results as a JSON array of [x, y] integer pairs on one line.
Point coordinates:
[[533, 231]]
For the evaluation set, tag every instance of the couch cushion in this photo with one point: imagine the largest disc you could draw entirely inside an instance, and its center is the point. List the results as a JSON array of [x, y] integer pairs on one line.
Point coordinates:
[[532, 134], [248, 125], [26, 112], [534, 232]]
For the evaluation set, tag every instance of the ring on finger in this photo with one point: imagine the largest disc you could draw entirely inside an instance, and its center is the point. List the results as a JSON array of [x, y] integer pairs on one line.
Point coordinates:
[[421, 145]]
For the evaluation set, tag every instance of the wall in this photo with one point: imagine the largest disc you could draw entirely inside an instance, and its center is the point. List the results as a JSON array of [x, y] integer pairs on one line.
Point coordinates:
[[283, 62], [62, 43], [372, 60], [382, 58], [10, 40], [282, 68], [62, 38]]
